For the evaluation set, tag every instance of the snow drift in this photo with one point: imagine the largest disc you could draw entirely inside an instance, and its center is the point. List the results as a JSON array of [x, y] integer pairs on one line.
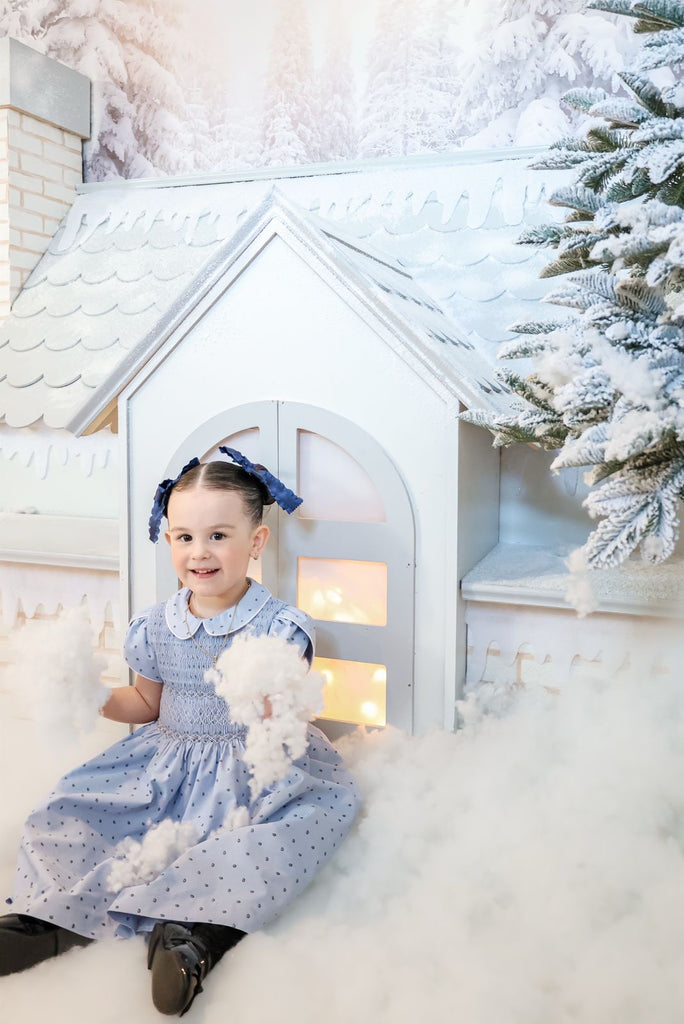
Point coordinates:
[[527, 869]]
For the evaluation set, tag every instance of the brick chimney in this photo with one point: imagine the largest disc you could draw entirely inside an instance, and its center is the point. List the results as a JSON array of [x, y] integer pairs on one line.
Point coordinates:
[[44, 118]]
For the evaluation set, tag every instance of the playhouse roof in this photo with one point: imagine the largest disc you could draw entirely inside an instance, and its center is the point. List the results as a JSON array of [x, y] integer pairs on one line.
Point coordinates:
[[428, 247]]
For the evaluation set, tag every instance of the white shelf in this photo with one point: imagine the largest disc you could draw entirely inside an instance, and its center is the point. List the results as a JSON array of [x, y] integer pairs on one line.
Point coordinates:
[[68, 541], [524, 575]]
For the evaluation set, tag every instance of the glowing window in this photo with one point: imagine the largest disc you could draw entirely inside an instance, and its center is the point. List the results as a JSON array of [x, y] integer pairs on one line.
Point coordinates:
[[355, 691], [333, 484], [343, 590]]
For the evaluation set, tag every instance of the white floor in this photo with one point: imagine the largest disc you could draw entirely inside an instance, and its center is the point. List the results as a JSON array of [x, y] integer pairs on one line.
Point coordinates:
[[528, 870]]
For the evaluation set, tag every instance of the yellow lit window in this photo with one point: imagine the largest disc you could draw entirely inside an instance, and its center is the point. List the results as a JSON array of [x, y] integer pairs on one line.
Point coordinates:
[[354, 691], [343, 590]]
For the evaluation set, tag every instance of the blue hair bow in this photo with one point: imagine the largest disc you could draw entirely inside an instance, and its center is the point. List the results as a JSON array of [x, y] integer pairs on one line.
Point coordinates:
[[281, 494], [161, 500]]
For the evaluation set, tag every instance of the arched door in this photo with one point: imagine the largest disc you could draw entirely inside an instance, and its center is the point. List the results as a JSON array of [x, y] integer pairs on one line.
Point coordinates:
[[346, 556]]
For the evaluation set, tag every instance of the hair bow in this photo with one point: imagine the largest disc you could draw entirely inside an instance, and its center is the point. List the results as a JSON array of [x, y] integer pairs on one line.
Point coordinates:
[[161, 499], [281, 494]]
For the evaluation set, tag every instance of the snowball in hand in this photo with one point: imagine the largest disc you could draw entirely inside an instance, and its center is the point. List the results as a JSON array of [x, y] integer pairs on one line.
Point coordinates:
[[60, 673], [252, 669]]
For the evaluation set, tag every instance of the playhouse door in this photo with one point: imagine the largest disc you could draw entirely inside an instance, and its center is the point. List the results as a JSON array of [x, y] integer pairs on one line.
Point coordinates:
[[346, 556]]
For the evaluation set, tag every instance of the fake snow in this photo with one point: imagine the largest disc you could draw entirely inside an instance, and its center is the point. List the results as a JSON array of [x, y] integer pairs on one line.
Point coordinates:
[[142, 861], [527, 869], [579, 592], [60, 674], [636, 378], [256, 668], [237, 817]]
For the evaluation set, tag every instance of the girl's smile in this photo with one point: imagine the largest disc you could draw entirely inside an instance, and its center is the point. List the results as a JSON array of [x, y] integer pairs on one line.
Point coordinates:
[[212, 540]]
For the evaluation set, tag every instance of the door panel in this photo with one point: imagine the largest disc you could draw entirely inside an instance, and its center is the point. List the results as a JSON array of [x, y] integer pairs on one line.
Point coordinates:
[[389, 542], [364, 519]]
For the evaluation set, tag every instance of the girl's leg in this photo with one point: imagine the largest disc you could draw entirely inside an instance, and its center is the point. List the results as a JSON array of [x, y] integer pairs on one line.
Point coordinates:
[[25, 941], [180, 956]]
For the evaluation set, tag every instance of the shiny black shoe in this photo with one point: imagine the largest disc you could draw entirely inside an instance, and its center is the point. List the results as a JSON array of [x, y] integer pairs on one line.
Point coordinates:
[[179, 962], [180, 956], [26, 941]]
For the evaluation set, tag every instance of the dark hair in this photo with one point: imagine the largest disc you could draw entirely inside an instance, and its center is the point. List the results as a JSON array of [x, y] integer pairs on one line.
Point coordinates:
[[226, 476]]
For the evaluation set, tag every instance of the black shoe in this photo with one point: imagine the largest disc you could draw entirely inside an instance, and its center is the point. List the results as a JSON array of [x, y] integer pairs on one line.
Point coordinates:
[[26, 941], [180, 956]]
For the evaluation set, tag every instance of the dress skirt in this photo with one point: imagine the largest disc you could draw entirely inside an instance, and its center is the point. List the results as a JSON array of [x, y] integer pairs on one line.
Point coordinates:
[[239, 876]]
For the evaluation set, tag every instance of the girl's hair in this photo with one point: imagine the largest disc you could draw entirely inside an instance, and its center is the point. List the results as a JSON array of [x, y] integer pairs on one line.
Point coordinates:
[[226, 476]]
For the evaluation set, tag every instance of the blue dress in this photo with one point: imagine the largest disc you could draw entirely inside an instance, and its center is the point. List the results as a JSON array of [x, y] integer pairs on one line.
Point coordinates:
[[186, 766]]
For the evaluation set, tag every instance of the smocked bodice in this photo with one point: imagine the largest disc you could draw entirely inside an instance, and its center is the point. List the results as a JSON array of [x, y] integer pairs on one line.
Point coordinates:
[[190, 705]]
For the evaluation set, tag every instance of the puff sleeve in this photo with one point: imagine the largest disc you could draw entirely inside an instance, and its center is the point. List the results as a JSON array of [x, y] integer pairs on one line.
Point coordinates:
[[139, 653], [296, 627]]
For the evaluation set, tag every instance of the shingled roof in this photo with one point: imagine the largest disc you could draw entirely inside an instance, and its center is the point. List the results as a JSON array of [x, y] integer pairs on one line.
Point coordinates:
[[429, 248]]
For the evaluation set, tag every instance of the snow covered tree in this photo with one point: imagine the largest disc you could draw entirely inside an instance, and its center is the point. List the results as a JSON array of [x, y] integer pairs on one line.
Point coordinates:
[[131, 50], [608, 381], [408, 81], [439, 70], [289, 124], [521, 57], [235, 139], [19, 18], [337, 116]]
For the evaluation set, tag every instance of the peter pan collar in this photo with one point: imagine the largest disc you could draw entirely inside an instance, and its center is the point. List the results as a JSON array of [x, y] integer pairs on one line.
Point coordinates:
[[183, 624]]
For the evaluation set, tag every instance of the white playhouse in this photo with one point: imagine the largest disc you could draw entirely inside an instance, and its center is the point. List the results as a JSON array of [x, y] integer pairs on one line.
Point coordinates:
[[331, 323]]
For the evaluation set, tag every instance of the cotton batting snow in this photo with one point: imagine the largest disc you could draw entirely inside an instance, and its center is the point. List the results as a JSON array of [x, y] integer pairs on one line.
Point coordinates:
[[256, 668], [579, 592], [528, 869], [141, 861], [59, 672], [237, 817]]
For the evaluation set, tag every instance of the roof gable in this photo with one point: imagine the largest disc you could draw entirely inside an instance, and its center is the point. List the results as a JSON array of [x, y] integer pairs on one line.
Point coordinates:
[[122, 273]]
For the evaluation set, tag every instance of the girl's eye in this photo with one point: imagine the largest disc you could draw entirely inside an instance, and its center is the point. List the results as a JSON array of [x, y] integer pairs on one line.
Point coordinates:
[[185, 537], [218, 535]]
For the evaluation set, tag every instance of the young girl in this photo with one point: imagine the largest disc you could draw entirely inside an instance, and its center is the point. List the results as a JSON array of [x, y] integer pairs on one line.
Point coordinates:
[[184, 766]]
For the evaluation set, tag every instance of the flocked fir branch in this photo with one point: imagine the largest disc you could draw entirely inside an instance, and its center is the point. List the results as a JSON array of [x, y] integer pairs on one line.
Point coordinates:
[[607, 387]]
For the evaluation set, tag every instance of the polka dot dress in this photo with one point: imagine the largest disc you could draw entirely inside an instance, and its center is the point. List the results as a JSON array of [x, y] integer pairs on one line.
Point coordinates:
[[186, 767]]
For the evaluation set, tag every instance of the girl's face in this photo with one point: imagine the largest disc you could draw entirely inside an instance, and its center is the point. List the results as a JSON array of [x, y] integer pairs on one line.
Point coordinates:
[[212, 540]]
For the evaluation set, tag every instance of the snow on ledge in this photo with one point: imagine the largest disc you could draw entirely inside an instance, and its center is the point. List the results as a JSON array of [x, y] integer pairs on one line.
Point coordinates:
[[457, 157], [366, 187], [524, 575], [70, 541]]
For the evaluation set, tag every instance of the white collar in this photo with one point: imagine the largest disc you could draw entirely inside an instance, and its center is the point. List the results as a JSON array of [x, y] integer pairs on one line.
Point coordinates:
[[183, 624]]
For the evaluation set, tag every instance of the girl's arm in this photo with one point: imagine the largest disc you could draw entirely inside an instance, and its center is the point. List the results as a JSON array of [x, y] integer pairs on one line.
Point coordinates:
[[135, 705]]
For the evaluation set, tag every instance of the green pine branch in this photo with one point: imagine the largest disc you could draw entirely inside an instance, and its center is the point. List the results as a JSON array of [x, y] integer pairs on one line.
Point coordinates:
[[648, 94], [617, 266]]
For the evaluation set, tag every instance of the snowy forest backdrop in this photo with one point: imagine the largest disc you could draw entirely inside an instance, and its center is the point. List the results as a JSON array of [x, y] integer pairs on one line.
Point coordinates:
[[220, 85]]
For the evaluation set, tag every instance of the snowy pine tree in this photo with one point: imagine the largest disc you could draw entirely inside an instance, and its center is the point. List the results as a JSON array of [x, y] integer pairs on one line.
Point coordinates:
[[337, 116], [441, 73], [19, 18], [132, 51], [398, 90], [523, 55], [289, 125], [608, 383], [235, 138]]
